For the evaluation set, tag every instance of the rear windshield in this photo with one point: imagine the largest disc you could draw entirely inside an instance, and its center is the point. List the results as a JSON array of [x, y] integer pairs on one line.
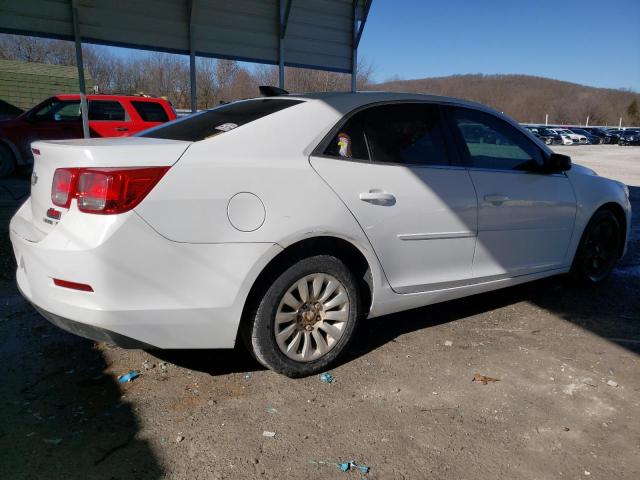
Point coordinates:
[[209, 123]]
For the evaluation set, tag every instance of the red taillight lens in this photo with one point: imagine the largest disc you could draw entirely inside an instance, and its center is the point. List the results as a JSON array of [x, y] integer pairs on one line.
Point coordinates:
[[64, 185], [110, 190]]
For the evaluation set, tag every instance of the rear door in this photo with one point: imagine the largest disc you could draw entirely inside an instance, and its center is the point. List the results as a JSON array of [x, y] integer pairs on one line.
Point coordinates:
[[390, 166], [108, 118], [525, 217]]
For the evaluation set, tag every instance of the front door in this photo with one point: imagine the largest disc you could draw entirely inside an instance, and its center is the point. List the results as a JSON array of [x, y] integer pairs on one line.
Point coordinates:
[[525, 217], [390, 166]]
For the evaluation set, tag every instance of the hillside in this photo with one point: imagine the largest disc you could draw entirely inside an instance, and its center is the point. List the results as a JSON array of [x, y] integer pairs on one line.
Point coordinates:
[[528, 98]]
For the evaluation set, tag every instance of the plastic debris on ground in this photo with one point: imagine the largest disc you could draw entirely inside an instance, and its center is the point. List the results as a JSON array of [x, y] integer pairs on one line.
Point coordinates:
[[326, 377], [484, 379], [248, 375], [448, 343], [611, 383], [129, 377], [179, 438], [268, 434], [344, 466]]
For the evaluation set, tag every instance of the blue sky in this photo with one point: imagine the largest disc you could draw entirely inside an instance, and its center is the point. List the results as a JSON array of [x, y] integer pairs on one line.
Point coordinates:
[[589, 42]]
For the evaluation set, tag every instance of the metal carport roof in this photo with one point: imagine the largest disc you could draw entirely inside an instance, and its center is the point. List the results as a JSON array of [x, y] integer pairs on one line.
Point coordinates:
[[320, 34], [317, 33]]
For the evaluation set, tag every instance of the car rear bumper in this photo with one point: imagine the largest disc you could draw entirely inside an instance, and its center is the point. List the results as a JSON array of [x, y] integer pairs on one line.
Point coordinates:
[[92, 332], [146, 289]]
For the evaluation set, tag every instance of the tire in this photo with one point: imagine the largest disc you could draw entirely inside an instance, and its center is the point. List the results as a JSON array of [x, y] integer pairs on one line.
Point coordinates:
[[304, 330], [7, 161], [598, 250]]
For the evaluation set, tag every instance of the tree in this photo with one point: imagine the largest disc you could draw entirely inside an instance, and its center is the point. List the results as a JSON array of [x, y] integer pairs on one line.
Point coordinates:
[[633, 113]]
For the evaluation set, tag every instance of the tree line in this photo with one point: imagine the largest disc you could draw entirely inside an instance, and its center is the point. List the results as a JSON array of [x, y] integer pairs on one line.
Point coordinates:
[[529, 99], [167, 75], [525, 98]]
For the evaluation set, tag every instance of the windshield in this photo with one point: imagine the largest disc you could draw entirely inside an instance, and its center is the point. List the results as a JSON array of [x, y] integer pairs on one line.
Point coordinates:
[[209, 123]]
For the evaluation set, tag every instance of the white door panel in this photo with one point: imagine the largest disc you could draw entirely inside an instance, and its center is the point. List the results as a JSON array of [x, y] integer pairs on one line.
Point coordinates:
[[525, 221], [421, 221]]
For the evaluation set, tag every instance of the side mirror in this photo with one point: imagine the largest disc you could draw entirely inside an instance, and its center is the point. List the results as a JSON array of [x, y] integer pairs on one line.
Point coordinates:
[[557, 162]]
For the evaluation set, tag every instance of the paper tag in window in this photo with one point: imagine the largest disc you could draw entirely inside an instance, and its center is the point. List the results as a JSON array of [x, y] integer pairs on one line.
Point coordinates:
[[225, 127]]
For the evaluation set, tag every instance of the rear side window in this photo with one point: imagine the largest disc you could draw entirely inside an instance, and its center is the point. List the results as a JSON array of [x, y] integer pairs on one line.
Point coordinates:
[[407, 134], [198, 126], [150, 111], [493, 143], [349, 142], [106, 110]]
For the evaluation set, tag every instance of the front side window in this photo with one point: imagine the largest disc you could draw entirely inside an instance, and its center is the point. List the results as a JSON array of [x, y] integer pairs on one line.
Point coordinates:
[[59, 111], [403, 133], [492, 143], [207, 124], [106, 110]]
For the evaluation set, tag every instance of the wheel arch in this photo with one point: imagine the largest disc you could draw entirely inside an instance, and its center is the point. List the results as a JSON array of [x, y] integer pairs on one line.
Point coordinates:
[[343, 249], [620, 215]]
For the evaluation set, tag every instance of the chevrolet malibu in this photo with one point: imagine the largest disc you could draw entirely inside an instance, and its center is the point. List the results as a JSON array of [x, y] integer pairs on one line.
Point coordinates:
[[284, 221]]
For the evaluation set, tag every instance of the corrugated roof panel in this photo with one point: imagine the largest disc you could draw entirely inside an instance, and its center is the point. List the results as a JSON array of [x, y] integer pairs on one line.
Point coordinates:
[[319, 34]]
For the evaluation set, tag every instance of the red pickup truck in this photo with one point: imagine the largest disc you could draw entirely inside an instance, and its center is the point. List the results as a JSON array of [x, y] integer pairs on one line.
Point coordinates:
[[59, 118]]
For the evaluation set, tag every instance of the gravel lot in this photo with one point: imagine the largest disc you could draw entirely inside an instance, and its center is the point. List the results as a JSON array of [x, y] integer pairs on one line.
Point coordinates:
[[403, 403]]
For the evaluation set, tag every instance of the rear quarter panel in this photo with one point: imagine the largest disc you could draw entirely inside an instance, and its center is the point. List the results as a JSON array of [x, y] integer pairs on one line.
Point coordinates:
[[267, 158]]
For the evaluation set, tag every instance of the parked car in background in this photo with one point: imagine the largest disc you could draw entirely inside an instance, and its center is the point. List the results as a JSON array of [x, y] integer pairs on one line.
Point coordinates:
[[591, 138], [58, 118], [615, 134], [577, 138], [549, 137], [566, 138], [285, 221], [605, 137], [630, 137], [544, 134]]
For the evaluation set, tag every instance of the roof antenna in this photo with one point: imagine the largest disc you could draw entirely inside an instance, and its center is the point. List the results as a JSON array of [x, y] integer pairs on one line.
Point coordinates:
[[269, 91]]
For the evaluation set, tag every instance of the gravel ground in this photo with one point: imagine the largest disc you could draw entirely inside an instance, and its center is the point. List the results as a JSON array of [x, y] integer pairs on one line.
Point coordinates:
[[403, 402]]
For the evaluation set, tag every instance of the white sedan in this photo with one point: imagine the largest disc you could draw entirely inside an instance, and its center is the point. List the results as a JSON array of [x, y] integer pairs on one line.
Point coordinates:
[[284, 221], [575, 137]]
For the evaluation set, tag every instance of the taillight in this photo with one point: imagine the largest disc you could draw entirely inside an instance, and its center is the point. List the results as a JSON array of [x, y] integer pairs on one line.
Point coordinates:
[[63, 188], [110, 190]]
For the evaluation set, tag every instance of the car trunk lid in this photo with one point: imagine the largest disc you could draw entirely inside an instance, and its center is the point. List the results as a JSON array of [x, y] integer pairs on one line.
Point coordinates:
[[102, 152]]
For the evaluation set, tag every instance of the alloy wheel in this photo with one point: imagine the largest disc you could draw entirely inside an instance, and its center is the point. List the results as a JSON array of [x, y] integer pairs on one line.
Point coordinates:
[[311, 317]]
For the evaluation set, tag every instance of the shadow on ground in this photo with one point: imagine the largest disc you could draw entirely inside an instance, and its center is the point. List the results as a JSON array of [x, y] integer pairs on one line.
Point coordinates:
[[62, 412], [62, 415]]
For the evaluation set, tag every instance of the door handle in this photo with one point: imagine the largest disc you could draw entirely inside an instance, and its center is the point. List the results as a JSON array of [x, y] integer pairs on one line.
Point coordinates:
[[378, 197], [122, 129], [496, 199]]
